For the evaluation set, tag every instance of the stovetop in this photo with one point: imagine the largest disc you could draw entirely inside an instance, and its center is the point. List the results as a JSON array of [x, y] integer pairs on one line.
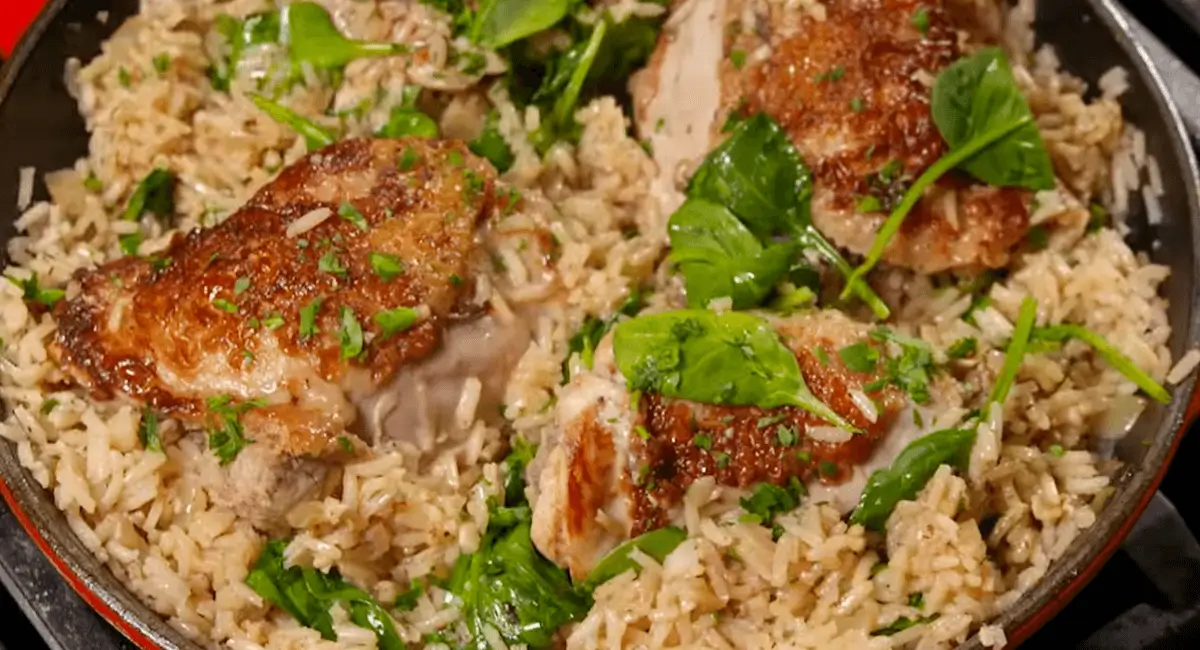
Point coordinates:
[[1146, 598]]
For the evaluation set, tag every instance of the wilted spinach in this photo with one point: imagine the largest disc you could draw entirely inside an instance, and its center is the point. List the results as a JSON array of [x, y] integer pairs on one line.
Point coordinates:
[[918, 462], [985, 119], [315, 135], [731, 358], [491, 144], [407, 119], [758, 176], [308, 595], [658, 544], [1111, 355], [584, 341]]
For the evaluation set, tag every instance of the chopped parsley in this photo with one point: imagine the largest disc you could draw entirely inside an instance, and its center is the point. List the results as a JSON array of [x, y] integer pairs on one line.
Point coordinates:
[[860, 357], [226, 435], [407, 601], [124, 79], [857, 104], [702, 442], [867, 204], [161, 63], [910, 371], [738, 59], [920, 20], [48, 405], [92, 183], [822, 357], [350, 336], [641, 432], [722, 459], [395, 321], [456, 279], [836, 73], [827, 468], [387, 267], [351, 214], [272, 321], [241, 285], [1057, 451], [345, 444], [148, 431], [455, 158], [963, 348], [329, 263], [1097, 218], [308, 319], [901, 624], [768, 501], [408, 159], [225, 305], [1038, 238], [788, 436], [916, 600]]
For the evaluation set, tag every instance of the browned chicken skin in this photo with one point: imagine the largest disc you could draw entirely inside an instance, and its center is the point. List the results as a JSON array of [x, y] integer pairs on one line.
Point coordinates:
[[852, 91], [605, 481], [254, 311]]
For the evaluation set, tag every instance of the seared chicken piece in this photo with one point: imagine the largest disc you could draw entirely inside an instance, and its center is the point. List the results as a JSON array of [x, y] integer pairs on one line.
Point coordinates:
[[852, 91], [602, 482], [287, 307]]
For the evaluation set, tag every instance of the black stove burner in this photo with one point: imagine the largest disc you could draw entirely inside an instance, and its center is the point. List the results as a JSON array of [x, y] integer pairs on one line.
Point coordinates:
[[1146, 598]]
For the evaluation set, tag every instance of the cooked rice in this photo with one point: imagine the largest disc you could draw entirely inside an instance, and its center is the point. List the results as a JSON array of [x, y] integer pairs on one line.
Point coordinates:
[[730, 585], [25, 187]]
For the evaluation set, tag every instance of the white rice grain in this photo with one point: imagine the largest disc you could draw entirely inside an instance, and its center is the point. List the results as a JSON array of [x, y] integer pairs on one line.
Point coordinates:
[[25, 187], [1187, 365], [308, 221]]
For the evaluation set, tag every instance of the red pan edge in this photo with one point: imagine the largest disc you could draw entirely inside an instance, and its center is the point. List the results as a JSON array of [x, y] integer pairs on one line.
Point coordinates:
[[90, 597]]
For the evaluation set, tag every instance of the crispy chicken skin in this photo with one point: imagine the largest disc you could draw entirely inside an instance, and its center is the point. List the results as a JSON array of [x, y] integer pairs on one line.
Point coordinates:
[[852, 91], [604, 482], [249, 310]]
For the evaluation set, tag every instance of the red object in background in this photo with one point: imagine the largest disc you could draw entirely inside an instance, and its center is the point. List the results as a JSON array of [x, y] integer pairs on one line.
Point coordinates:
[[15, 17]]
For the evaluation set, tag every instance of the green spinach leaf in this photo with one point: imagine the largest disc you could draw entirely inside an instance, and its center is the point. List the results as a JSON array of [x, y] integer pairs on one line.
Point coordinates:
[[731, 358], [757, 174], [985, 119], [308, 31], [911, 470], [507, 586], [720, 257], [502, 22], [658, 544], [315, 135], [408, 121], [33, 291], [308, 595], [1107, 351]]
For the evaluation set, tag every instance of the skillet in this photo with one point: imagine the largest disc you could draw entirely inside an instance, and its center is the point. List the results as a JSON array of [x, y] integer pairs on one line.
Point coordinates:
[[40, 127]]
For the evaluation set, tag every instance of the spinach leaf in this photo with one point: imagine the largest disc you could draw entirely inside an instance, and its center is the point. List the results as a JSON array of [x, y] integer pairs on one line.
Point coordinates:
[[985, 119], [315, 135], [977, 99], [732, 358], [1015, 354], [507, 586], [658, 544], [518, 460], [492, 146], [308, 595], [154, 194], [911, 470], [903, 623], [758, 175], [918, 462], [720, 257], [1108, 352], [587, 338], [408, 121], [501, 22], [32, 291], [311, 37]]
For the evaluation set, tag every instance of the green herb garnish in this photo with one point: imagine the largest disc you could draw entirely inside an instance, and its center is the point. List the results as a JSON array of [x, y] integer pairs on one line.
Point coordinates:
[[315, 135], [308, 319], [1111, 355], [658, 544], [963, 348], [31, 291], [148, 431], [226, 436], [395, 321], [387, 267], [350, 213], [350, 336], [491, 144], [985, 119]]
